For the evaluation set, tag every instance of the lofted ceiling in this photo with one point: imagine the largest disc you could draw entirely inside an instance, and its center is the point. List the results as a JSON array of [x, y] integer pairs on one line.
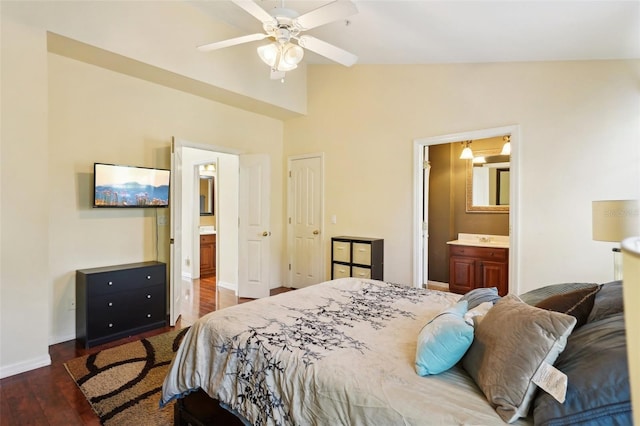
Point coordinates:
[[451, 31]]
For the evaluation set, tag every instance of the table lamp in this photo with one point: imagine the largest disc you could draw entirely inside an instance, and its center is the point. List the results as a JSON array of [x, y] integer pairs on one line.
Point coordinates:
[[615, 220]]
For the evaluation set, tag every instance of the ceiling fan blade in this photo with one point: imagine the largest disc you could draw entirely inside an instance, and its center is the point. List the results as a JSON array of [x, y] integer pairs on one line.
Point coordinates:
[[232, 42], [327, 50], [335, 11], [253, 9]]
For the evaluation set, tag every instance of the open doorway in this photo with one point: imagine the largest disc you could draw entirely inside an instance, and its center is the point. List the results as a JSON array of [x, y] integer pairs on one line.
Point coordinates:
[[422, 171], [185, 221]]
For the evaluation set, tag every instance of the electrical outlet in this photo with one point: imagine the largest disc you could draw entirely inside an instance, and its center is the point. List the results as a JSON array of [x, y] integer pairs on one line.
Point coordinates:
[[72, 304], [187, 262]]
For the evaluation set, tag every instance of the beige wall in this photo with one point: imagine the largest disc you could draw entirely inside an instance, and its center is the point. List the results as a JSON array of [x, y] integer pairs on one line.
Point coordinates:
[[100, 115], [579, 142]]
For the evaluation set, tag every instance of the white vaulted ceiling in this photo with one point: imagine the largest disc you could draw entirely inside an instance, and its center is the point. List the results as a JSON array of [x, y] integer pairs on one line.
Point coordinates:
[[417, 32]]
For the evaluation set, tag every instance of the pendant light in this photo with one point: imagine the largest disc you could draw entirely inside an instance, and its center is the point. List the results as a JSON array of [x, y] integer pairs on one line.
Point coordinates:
[[467, 154], [506, 148]]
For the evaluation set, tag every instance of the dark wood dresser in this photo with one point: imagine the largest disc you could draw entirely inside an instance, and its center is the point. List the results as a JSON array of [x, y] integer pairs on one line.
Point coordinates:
[[119, 301]]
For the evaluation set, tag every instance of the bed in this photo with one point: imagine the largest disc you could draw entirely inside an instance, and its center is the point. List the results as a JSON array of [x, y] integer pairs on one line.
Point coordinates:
[[345, 352]]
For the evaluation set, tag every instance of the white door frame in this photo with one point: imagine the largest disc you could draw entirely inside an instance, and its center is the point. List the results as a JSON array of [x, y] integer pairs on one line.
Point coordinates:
[[290, 244], [514, 207]]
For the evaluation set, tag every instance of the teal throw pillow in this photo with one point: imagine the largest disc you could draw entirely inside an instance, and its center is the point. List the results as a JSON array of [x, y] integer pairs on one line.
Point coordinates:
[[443, 341]]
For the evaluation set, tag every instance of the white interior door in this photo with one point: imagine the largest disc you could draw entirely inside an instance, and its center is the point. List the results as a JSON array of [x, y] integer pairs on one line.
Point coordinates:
[[305, 221], [254, 227], [175, 275]]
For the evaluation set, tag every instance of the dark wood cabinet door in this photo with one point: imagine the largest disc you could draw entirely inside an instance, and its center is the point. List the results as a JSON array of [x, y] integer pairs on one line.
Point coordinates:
[[462, 274], [493, 274]]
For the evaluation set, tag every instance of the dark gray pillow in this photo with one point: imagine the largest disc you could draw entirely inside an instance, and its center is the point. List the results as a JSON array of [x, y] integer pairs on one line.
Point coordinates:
[[577, 303], [480, 295], [608, 301], [595, 362]]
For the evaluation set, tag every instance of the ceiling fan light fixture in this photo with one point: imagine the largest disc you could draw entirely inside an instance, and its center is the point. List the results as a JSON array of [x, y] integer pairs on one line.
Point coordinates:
[[281, 57]]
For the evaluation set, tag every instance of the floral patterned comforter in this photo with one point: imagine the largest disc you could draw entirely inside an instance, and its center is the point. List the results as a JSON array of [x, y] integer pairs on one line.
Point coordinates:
[[336, 353]]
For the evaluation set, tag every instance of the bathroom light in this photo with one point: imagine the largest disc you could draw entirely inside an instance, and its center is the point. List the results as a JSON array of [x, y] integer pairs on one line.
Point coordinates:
[[615, 220], [479, 160], [281, 56], [467, 154], [506, 148]]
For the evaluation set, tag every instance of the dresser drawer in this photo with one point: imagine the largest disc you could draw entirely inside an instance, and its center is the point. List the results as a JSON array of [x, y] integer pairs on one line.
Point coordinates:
[[362, 254], [124, 310], [358, 272], [341, 271], [112, 282], [488, 253], [342, 251]]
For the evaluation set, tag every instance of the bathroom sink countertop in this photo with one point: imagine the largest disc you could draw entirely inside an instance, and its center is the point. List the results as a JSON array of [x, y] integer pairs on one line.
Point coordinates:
[[481, 240], [207, 230]]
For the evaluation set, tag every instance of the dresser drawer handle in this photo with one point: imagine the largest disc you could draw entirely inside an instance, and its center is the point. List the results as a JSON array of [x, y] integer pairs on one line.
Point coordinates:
[[110, 325], [110, 282], [148, 277], [148, 296], [110, 304], [148, 315]]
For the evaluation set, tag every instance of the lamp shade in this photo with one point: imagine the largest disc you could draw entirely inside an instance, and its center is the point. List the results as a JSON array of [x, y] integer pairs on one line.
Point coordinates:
[[615, 220]]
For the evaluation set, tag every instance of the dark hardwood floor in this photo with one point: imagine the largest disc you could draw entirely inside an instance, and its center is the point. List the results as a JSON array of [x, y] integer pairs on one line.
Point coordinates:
[[48, 395]]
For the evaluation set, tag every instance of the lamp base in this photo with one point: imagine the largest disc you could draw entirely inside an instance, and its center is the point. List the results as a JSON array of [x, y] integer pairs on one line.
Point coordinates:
[[617, 264]]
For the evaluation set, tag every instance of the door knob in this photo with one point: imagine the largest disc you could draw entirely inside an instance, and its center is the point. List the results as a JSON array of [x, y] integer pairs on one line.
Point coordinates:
[[266, 234], [316, 232]]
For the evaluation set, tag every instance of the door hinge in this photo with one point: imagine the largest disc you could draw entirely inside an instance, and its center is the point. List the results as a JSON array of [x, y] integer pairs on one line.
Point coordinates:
[[289, 221], [173, 142], [289, 266], [426, 165], [424, 226], [289, 173]]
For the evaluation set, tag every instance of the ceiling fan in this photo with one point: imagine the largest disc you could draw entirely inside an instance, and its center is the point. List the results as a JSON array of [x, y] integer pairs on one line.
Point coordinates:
[[283, 26]]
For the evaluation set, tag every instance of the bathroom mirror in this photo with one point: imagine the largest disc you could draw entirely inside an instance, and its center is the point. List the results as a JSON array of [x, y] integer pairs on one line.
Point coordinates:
[[488, 183], [207, 205]]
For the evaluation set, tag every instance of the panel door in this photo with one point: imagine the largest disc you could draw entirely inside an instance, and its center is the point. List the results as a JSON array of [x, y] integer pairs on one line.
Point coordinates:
[[305, 216]]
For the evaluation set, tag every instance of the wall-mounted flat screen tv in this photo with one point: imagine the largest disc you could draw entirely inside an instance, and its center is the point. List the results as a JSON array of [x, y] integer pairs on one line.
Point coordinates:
[[128, 186]]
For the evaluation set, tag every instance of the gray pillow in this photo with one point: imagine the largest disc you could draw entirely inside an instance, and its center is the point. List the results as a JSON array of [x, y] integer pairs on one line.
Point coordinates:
[[478, 296], [510, 344], [608, 301]]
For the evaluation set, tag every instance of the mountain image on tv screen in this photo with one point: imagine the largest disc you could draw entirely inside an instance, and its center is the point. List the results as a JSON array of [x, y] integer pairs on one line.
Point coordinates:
[[124, 186]]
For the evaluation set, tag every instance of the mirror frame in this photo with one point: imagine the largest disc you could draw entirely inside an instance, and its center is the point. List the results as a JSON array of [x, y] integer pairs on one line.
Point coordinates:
[[211, 198], [469, 192]]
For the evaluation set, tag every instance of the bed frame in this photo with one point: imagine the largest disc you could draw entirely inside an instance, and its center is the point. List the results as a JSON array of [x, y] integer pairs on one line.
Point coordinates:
[[199, 409]]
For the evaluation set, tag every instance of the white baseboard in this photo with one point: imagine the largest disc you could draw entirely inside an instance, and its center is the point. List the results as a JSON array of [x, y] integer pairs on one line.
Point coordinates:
[[229, 286], [22, 366], [54, 340]]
